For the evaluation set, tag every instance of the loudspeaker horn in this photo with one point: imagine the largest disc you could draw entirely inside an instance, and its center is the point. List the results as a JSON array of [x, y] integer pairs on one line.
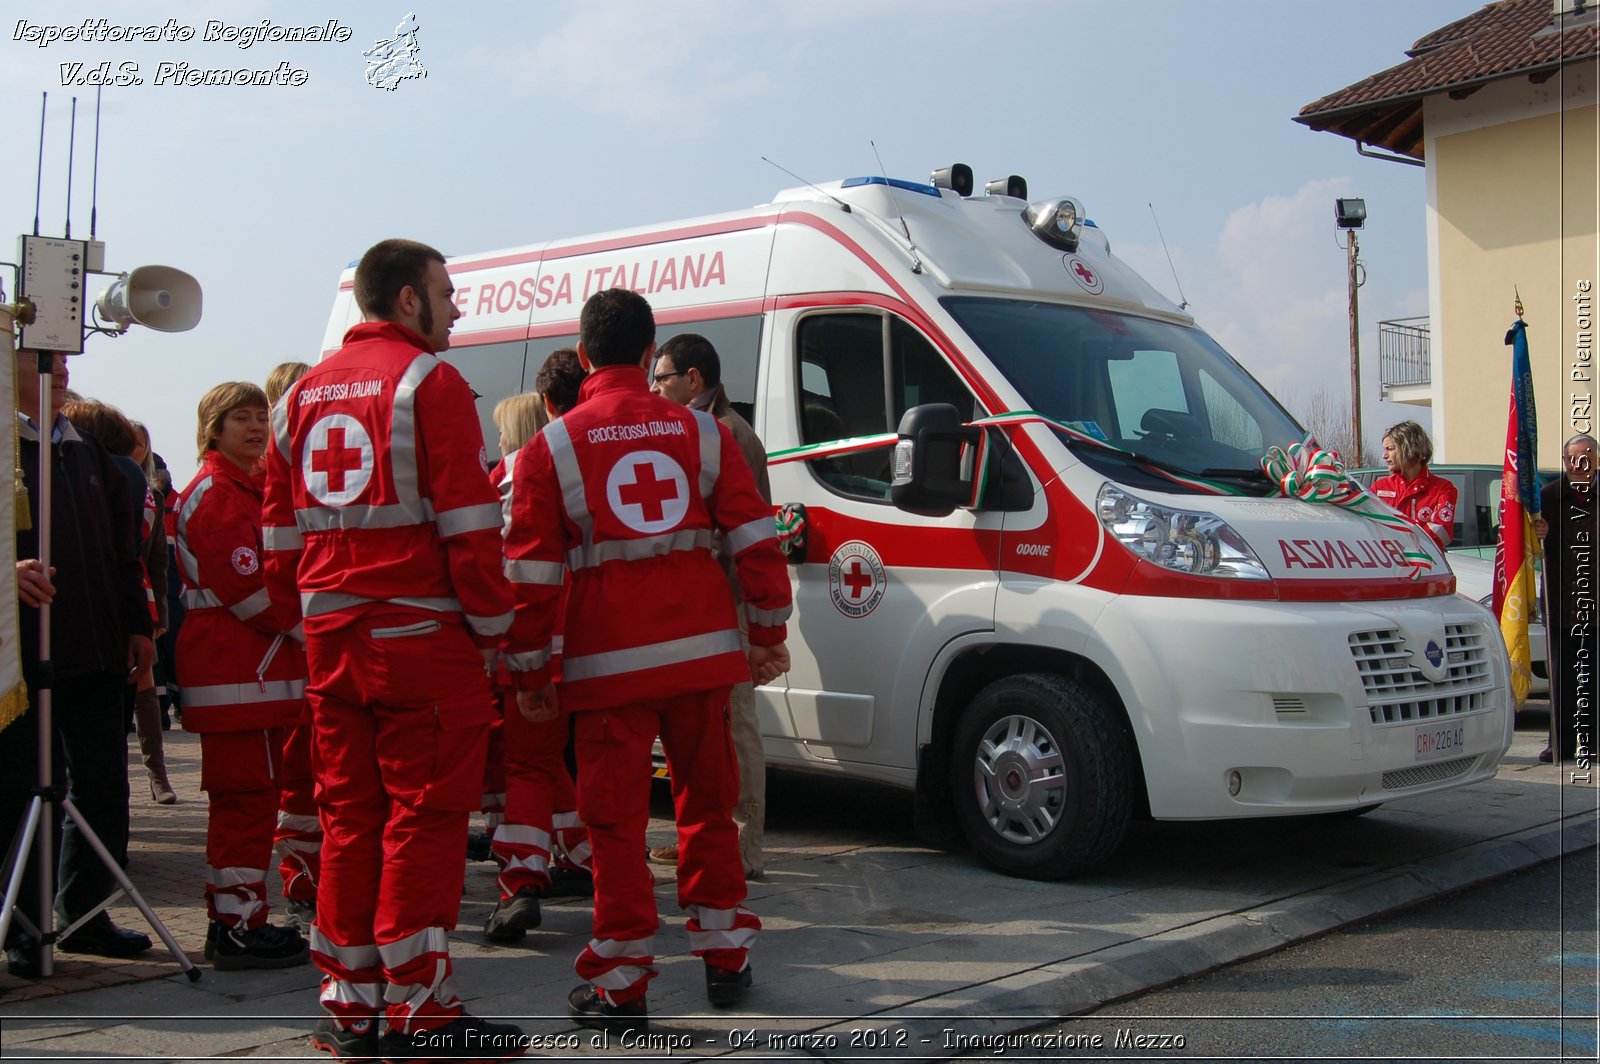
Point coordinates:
[[158, 297]]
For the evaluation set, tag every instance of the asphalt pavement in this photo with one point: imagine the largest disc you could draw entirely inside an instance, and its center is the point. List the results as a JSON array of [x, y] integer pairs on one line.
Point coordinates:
[[875, 947]]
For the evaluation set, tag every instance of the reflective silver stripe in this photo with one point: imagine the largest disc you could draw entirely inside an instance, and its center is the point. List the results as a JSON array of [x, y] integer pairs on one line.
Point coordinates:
[[391, 515], [632, 550], [749, 534], [280, 425], [236, 876], [244, 694], [611, 948], [199, 598], [366, 996], [317, 603], [277, 537], [418, 944], [403, 429], [186, 558], [465, 519], [257, 603], [522, 835], [770, 618], [302, 823], [487, 626], [352, 957], [710, 452], [651, 655], [505, 489], [570, 477], [528, 571], [527, 661]]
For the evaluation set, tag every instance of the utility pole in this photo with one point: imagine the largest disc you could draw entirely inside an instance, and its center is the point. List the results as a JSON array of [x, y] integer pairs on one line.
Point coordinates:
[[1355, 357]]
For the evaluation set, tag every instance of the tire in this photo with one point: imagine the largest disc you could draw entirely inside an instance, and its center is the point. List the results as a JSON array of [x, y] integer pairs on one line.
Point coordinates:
[[1042, 772]]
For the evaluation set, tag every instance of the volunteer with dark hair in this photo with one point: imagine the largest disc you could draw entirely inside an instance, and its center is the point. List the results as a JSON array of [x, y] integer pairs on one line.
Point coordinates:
[[688, 370], [382, 526], [1411, 488], [541, 845], [626, 492], [244, 680]]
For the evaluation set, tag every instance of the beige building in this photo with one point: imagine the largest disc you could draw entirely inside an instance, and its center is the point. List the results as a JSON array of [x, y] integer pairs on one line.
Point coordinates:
[[1501, 107]]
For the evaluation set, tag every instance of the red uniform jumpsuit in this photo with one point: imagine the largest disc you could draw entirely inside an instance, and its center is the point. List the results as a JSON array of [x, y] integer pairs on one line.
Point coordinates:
[[625, 492], [244, 684], [540, 826], [1429, 501], [383, 530]]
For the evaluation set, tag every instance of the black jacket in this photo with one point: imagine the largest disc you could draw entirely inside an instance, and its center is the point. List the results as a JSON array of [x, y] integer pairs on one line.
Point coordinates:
[[99, 599]]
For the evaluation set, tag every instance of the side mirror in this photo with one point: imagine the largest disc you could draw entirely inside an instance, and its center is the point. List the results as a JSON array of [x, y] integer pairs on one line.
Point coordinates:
[[934, 461]]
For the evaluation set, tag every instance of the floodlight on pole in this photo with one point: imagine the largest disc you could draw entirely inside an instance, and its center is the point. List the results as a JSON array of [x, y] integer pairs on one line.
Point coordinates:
[[1351, 214]]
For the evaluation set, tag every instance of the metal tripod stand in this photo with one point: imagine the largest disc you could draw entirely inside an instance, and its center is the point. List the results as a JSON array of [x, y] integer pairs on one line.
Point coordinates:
[[35, 837]]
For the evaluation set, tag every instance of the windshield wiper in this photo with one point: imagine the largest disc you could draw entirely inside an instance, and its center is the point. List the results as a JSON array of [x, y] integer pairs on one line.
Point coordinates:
[[1252, 473]]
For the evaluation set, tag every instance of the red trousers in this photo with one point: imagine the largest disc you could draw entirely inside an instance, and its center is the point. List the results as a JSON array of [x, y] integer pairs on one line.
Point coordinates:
[[401, 708], [298, 840], [614, 775], [242, 774], [541, 826]]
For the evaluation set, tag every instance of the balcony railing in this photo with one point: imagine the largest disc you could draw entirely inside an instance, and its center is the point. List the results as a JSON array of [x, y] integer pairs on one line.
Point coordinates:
[[1403, 352]]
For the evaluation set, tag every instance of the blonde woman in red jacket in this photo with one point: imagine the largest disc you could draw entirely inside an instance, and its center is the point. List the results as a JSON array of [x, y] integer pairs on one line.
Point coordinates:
[[243, 676]]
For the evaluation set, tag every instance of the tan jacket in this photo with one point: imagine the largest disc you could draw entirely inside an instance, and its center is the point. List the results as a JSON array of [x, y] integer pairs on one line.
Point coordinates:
[[715, 402]]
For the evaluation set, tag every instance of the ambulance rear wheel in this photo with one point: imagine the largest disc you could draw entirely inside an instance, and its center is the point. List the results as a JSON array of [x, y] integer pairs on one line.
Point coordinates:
[[1042, 773]]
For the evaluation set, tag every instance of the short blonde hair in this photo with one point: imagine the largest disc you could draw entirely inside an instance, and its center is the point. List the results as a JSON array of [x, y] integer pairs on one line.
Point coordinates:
[[1411, 443], [283, 375], [519, 418], [215, 405]]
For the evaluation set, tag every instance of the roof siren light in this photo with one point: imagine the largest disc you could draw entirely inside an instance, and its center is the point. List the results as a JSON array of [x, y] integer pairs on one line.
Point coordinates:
[[956, 177], [1012, 186], [1058, 222]]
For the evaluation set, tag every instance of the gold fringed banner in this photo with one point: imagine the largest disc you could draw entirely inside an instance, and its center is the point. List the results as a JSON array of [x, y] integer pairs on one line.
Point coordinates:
[[13, 694]]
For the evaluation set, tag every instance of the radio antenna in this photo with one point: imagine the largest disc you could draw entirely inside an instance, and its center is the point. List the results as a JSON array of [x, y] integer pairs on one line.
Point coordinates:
[[916, 260], [1184, 305], [94, 180], [72, 142], [808, 184], [38, 178]]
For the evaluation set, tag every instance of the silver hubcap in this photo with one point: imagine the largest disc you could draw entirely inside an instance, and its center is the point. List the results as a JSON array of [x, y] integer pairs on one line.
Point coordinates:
[[1020, 779]]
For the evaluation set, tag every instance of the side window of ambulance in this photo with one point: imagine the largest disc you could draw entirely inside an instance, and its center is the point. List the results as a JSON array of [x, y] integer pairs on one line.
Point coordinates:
[[849, 388]]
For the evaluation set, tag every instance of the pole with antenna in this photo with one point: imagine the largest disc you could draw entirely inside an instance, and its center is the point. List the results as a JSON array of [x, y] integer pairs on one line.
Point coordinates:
[[72, 144]]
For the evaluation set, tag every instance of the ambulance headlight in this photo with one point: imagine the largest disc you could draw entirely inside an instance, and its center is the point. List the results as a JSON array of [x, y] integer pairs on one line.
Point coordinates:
[[1058, 222], [1185, 541]]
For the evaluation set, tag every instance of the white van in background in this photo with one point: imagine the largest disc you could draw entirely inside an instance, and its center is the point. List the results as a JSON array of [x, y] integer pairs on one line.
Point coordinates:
[[1045, 582]]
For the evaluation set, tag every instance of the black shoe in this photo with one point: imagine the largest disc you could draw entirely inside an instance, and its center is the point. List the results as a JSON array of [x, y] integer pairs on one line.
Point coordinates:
[[22, 959], [725, 987], [105, 939], [586, 1007], [514, 917], [464, 1038], [570, 883], [266, 946], [480, 847], [358, 1041]]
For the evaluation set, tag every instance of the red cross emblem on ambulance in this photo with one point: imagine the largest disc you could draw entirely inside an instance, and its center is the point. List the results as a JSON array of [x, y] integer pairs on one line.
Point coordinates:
[[648, 491], [856, 579], [1087, 276], [338, 460]]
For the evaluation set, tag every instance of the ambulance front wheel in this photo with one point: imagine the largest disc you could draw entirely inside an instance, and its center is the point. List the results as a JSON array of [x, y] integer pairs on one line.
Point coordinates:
[[1042, 771]]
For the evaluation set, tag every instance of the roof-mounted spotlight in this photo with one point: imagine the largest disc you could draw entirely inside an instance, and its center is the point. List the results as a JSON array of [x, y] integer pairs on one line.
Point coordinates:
[[1012, 186], [1058, 222], [1350, 213], [957, 177]]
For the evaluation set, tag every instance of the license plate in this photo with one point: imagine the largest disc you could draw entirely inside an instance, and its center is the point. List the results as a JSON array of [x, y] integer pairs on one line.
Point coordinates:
[[1434, 741]]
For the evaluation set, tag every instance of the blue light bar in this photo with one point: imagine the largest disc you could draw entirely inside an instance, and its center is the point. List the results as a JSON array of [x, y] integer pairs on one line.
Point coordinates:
[[895, 182]]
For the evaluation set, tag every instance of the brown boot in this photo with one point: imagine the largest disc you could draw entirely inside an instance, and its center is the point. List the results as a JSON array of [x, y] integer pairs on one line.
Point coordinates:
[[147, 719]]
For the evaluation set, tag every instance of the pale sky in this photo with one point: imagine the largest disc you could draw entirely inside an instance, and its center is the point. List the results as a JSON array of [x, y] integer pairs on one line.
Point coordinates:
[[557, 119]]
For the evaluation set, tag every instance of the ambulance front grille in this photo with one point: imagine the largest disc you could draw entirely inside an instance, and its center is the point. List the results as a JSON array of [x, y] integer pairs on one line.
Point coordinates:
[[1401, 778], [1397, 691]]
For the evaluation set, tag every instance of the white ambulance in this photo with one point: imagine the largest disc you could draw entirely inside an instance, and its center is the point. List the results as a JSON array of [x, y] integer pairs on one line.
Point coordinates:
[[1089, 607]]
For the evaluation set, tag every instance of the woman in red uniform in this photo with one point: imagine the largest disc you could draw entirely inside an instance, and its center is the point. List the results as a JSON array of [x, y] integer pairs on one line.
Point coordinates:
[[243, 679], [1428, 500]]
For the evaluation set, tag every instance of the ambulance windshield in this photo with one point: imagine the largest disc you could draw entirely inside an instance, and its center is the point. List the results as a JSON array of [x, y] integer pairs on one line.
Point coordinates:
[[1165, 392]]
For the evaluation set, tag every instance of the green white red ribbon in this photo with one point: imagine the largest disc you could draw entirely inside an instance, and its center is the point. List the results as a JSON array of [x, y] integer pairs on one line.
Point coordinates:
[[1310, 473]]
